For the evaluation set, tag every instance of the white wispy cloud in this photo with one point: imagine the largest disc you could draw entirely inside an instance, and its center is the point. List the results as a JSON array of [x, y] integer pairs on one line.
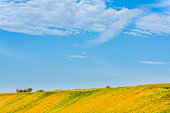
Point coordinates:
[[137, 32], [164, 3], [151, 62], [141, 31], [155, 23], [133, 33], [64, 17], [123, 18], [55, 17], [77, 56]]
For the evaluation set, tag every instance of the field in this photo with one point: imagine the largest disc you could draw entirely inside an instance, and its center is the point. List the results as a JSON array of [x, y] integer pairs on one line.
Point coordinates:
[[153, 98]]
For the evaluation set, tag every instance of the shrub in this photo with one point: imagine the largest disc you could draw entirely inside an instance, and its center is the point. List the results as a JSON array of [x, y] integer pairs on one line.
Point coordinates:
[[17, 90], [40, 91], [29, 89], [24, 90], [20, 90], [107, 86]]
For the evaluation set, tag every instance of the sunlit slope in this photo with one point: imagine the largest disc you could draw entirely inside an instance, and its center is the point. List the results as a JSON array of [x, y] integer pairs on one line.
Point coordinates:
[[134, 99]]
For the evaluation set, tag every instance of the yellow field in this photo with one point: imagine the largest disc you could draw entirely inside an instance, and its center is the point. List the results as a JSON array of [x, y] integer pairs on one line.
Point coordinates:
[[154, 98]]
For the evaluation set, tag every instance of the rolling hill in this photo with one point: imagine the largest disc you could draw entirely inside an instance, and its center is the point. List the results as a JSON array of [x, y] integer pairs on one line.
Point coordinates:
[[152, 98]]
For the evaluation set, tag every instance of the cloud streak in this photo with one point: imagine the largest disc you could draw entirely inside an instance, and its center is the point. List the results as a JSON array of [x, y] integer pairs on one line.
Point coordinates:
[[123, 19], [77, 56], [162, 4], [151, 62]]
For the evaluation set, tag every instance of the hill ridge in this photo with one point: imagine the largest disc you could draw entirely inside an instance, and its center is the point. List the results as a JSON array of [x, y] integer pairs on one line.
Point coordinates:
[[150, 98]]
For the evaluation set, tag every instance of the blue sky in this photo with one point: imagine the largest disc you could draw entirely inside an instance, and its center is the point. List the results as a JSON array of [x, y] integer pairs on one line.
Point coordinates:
[[54, 44]]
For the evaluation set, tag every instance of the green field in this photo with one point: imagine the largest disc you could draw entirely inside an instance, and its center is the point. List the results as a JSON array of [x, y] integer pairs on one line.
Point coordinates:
[[153, 98]]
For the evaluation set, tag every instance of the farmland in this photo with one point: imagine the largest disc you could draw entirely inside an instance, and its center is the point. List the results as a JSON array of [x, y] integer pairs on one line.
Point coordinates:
[[153, 98]]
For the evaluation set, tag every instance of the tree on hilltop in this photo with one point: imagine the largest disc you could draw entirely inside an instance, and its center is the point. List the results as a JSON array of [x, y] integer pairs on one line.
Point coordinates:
[[25, 90], [29, 89], [17, 90], [107, 86], [20, 90]]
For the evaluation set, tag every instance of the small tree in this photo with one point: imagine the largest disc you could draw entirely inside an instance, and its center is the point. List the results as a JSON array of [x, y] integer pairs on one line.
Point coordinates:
[[20, 90], [29, 89], [40, 91], [17, 90], [107, 86], [24, 90]]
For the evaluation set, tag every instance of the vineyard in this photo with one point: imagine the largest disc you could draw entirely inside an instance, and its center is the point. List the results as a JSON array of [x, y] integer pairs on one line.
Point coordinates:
[[154, 98]]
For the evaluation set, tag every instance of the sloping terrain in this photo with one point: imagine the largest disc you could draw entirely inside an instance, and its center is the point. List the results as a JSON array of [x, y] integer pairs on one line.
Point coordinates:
[[154, 98]]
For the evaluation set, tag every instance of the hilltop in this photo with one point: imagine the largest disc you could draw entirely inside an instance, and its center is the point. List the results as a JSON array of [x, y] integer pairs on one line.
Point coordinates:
[[153, 98]]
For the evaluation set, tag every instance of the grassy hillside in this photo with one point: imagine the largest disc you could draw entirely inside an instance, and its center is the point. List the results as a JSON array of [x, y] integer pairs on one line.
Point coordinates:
[[153, 98]]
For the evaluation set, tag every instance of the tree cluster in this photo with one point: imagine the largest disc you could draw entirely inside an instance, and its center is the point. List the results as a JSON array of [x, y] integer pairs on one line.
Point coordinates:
[[23, 90]]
